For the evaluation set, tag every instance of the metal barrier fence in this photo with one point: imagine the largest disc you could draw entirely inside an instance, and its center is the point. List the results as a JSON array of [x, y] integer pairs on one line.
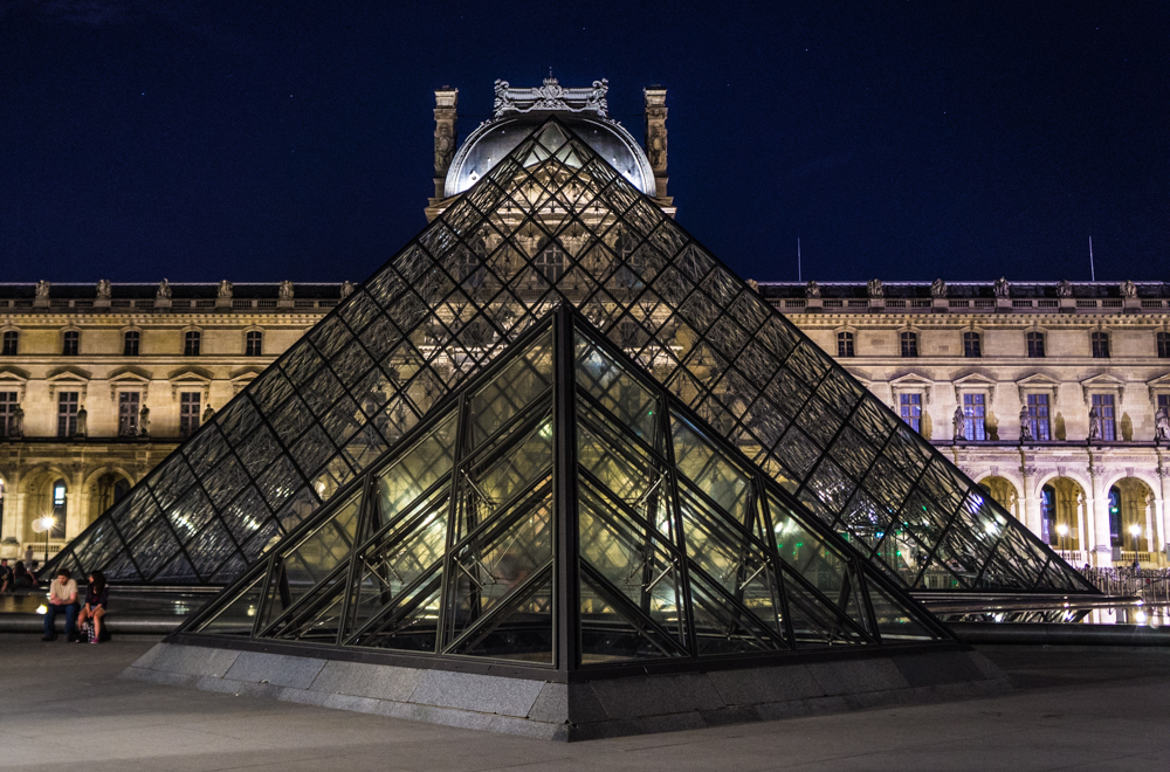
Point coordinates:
[[1150, 584]]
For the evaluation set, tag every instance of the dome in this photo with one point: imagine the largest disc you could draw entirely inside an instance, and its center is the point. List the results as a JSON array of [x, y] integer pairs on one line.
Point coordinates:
[[494, 139]]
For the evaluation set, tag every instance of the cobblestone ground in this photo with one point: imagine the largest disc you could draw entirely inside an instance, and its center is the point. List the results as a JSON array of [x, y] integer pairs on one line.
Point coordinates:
[[1074, 708]]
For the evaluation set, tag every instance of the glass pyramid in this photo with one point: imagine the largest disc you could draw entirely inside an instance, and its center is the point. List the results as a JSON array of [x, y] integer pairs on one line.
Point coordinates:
[[563, 509], [553, 223]]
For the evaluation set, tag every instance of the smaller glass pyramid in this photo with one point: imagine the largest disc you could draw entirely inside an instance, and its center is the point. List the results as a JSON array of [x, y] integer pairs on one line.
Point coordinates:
[[564, 510]]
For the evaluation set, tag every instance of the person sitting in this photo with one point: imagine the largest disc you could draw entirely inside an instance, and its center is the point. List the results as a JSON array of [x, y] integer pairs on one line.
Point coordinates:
[[97, 599], [5, 576], [21, 578], [62, 598]]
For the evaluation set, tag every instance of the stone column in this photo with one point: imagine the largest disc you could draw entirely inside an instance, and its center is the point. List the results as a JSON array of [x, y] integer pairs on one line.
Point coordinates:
[[1098, 506], [1029, 504], [1160, 506], [655, 101]]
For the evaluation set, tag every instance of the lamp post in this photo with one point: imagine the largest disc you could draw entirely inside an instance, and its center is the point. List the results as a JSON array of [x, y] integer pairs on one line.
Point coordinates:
[[47, 522], [1135, 532]]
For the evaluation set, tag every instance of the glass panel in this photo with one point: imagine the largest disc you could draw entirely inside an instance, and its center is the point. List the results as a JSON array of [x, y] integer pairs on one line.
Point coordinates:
[[711, 473], [237, 616], [623, 396], [521, 381], [300, 567], [894, 623], [612, 630], [420, 467], [629, 556]]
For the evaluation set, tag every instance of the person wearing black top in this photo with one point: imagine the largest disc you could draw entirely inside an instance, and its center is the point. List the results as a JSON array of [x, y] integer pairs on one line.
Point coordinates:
[[97, 599]]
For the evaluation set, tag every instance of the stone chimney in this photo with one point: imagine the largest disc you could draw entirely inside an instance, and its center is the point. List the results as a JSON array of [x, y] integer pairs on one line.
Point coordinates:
[[446, 100], [656, 139]]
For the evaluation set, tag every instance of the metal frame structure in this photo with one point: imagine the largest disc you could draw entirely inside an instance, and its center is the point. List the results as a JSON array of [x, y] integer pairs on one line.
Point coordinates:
[[657, 552], [473, 282]]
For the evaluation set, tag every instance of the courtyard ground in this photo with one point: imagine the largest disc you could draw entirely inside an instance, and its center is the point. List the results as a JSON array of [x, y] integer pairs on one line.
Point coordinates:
[[63, 705]]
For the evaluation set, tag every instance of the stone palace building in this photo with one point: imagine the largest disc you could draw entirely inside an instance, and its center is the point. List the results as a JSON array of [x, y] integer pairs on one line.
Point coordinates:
[[1054, 395]]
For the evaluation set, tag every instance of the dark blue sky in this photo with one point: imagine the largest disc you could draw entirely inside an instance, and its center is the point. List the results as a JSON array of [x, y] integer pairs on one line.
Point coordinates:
[[203, 139]]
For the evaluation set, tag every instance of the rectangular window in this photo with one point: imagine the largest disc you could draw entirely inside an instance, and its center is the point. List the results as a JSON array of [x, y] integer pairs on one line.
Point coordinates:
[[1163, 345], [191, 344], [70, 342], [11, 342], [68, 403], [254, 344], [1106, 415], [551, 263], [975, 417], [910, 408], [972, 344], [1035, 344], [1038, 417], [844, 344], [188, 412], [129, 403], [8, 406], [1100, 341], [130, 340], [909, 344]]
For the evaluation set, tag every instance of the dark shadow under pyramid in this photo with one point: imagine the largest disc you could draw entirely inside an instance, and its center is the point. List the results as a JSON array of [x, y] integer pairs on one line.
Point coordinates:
[[552, 223], [564, 510]]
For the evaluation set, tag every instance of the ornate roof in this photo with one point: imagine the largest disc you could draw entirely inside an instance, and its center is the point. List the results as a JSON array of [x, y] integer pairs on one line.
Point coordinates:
[[518, 110]]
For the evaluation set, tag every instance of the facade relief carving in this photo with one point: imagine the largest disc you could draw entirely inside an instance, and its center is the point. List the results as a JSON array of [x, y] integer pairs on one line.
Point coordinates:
[[551, 95]]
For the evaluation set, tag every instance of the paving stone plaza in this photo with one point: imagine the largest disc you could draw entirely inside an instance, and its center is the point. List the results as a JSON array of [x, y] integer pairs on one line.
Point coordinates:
[[1070, 708]]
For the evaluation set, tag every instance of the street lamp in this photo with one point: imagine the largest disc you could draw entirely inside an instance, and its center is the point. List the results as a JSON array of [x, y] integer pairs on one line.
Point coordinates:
[[46, 524]]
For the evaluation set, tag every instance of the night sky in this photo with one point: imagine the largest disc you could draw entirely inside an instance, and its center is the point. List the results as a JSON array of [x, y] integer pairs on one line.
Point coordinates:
[[259, 141]]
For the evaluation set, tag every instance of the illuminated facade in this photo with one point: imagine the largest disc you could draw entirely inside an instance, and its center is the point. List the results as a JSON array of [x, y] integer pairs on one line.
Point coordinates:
[[178, 350]]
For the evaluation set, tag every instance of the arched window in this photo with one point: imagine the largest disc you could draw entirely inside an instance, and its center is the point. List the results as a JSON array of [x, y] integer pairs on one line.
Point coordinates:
[[60, 509], [1115, 533], [1048, 530], [191, 343]]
